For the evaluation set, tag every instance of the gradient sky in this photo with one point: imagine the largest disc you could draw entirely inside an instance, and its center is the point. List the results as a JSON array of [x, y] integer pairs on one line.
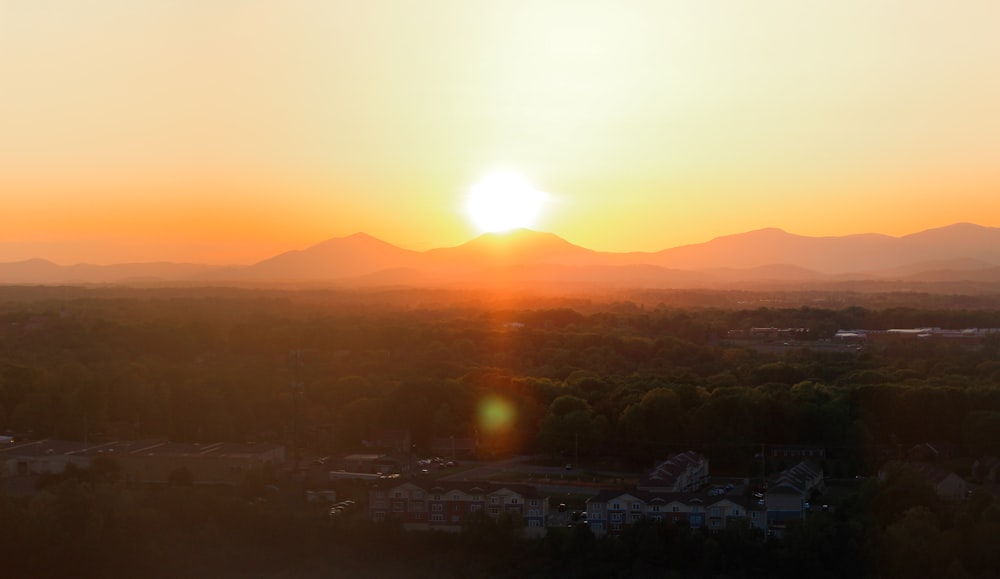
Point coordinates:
[[227, 131]]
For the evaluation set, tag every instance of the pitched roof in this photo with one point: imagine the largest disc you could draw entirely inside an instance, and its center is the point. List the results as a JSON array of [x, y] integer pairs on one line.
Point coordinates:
[[800, 477], [667, 472], [661, 497], [468, 487]]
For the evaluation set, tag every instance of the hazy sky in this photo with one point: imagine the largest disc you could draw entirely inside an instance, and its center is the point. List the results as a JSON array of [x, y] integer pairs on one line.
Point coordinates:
[[226, 131]]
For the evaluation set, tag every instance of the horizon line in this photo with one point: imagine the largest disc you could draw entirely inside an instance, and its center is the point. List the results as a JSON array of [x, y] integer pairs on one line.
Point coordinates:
[[487, 234]]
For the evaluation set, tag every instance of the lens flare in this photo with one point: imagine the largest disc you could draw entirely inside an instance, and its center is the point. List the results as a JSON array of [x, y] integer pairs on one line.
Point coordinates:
[[496, 415]]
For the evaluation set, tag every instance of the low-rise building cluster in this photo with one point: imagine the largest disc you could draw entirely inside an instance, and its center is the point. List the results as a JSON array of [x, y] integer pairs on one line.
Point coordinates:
[[450, 505], [787, 496], [970, 334], [613, 510], [142, 461], [682, 473]]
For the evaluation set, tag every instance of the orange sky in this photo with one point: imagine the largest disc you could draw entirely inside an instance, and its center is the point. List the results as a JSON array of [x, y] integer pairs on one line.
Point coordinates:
[[228, 131]]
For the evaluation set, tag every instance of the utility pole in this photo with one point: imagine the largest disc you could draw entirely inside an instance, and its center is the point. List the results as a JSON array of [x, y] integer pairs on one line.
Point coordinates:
[[297, 391]]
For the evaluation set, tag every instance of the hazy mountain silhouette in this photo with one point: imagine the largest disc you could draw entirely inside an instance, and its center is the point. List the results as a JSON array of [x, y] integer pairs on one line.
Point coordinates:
[[517, 247], [952, 253], [920, 268], [837, 255], [41, 271], [773, 246], [776, 272], [961, 240], [338, 258]]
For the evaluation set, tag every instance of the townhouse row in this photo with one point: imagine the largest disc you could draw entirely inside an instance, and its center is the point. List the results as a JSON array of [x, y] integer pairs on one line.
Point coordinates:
[[447, 506], [611, 511]]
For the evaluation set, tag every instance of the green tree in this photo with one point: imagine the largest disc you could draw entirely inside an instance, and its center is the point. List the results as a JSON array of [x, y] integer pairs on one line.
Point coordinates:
[[570, 425]]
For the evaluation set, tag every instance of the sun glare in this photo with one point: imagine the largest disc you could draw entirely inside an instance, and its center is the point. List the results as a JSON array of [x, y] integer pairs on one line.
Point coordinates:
[[504, 200]]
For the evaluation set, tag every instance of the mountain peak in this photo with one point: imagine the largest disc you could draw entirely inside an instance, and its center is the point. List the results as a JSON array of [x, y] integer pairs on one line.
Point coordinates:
[[520, 236], [361, 235], [517, 246], [359, 239]]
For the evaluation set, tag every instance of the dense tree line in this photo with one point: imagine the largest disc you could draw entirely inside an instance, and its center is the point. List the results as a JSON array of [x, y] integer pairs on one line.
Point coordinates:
[[629, 381], [619, 379]]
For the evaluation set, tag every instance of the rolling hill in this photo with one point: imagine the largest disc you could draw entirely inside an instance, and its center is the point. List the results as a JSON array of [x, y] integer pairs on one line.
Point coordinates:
[[952, 253]]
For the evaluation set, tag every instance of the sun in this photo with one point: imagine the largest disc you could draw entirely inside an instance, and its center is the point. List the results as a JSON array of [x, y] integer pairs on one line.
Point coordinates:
[[504, 200]]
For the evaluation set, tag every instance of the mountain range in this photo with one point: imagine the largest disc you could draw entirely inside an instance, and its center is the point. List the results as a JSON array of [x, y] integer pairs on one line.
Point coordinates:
[[953, 253]]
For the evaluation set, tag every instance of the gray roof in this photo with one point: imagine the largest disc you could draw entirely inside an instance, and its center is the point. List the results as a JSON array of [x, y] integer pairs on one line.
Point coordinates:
[[798, 479], [467, 487], [666, 473], [702, 499]]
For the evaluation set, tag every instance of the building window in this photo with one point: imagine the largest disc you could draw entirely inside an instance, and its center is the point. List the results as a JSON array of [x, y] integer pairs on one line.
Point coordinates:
[[455, 497], [437, 497], [636, 506], [675, 509], [398, 506], [597, 507], [533, 502], [636, 517], [715, 522], [656, 508], [397, 495], [753, 515], [513, 500], [736, 512], [616, 506], [437, 518], [534, 523], [716, 511], [477, 498], [534, 513], [494, 511], [494, 500], [475, 508], [616, 516], [616, 526], [437, 508], [418, 494], [378, 516]]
